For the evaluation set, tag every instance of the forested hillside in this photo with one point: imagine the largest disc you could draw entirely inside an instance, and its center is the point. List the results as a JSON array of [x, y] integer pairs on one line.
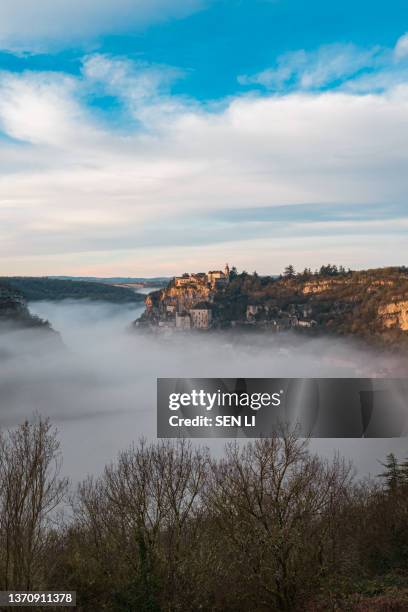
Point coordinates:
[[368, 303], [15, 313], [35, 289]]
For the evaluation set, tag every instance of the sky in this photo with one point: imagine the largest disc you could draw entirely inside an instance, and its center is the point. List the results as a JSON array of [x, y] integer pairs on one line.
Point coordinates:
[[153, 137]]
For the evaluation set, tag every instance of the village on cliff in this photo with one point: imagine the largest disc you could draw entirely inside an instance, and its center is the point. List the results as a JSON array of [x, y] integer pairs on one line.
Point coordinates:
[[193, 302]]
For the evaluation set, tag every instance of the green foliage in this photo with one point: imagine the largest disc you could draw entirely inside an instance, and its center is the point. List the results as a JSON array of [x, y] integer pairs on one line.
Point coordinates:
[[403, 468], [233, 273], [14, 310], [289, 271], [393, 475]]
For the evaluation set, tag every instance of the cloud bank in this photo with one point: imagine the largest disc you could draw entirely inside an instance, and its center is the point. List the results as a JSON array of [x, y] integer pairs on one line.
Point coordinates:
[[91, 190]]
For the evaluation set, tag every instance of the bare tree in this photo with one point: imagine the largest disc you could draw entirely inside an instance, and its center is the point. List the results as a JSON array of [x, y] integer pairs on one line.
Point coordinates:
[[144, 511], [270, 500], [30, 490]]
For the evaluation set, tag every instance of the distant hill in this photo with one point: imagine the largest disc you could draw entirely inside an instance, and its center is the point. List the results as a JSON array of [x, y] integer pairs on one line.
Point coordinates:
[[54, 289], [159, 281]]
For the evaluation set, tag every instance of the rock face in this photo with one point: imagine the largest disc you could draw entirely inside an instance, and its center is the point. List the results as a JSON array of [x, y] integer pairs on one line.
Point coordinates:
[[172, 306], [187, 297], [372, 302], [395, 315], [14, 311], [318, 287]]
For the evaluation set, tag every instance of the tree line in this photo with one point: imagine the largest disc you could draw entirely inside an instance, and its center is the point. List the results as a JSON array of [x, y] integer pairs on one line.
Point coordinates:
[[325, 270], [168, 527], [55, 289]]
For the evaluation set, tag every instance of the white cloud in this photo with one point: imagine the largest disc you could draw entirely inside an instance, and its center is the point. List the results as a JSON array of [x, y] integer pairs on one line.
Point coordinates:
[[325, 66], [39, 108], [340, 66], [143, 88], [79, 194], [35, 25], [120, 76], [401, 48]]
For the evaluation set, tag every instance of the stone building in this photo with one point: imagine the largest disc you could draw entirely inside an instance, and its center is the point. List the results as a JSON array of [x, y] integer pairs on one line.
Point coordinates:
[[201, 316], [218, 278], [183, 320]]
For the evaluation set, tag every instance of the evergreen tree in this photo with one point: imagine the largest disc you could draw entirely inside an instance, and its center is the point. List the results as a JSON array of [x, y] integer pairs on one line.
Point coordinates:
[[289, 271], [233, 273], [404, 472], [393, 474]]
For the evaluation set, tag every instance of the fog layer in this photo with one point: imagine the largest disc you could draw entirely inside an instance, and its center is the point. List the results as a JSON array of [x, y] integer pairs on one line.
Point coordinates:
[[100, 386]]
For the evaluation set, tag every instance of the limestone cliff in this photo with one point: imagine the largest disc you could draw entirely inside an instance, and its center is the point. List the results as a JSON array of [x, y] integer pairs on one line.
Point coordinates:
[[187, 297], [180, 298], [319, 286], [395, 315]]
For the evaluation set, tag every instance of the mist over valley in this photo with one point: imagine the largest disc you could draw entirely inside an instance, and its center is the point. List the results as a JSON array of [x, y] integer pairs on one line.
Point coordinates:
[[98, 385]]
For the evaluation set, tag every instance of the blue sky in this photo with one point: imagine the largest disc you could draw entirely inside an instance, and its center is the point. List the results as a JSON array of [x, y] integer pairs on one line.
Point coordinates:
[[151, 137], [226, 38]]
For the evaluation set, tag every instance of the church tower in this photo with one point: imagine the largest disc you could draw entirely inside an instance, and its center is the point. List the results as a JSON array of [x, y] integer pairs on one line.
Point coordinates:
[[226, 271]]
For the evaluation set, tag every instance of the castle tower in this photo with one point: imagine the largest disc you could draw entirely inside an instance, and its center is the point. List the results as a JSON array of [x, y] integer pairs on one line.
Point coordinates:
[[226, 270]]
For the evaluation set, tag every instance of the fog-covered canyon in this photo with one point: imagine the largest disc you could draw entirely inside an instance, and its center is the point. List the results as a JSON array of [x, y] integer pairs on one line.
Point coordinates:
[[99, 387]]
